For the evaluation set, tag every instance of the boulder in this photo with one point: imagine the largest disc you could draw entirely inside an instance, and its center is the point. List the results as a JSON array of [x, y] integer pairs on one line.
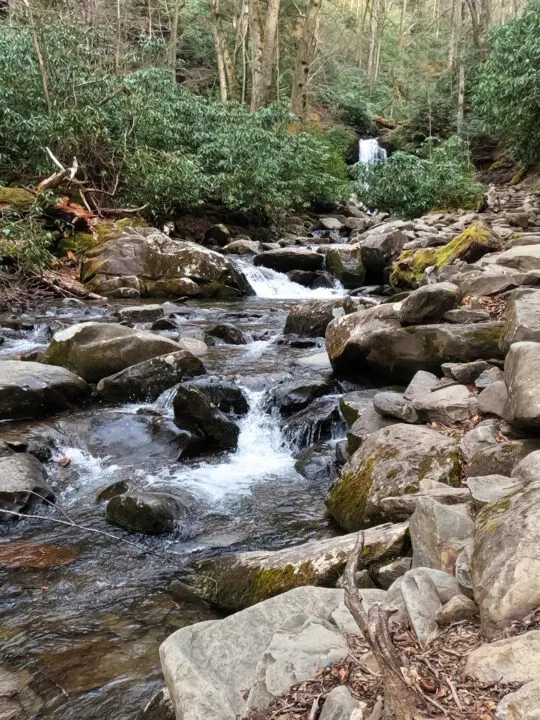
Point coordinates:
[[438, 533], [392, 461], [354, 404], [465, 373], [488, 377], [146, 380], [423, 382], [149, 262], [310, 319], [242, 247], [217, 235], [229, 333], [528, 469], [226, 395], [429, 303], [492, 400], [401, 507], [492, 488], [291, 396], [96, 350], [373, 340], [463, 316], [500, 458], [210, 428], [368, 422], [236, 580], [506, 558], [511, 660], [381, 245], [522, 322], [393, 404], [317, 463], [485, 435], [31, 389], [385, 575], [314, 423], [147, 512], [447, 406], [286, 259], [23, 484], [140, 313], [522, 378], [340, 704], [489, 280], [523, 258], [344, 262], [523, 704], [18, 701]]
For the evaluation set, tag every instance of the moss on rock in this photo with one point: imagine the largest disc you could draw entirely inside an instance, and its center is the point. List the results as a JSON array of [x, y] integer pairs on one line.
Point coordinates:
[[16, 196]]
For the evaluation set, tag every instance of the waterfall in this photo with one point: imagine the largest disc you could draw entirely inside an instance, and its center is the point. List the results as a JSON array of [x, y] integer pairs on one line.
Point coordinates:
[[370, 152], [268, 283]]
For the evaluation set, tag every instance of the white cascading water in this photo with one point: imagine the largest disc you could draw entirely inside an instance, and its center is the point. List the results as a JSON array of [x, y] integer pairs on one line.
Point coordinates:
[[370, 152], [267, 283]]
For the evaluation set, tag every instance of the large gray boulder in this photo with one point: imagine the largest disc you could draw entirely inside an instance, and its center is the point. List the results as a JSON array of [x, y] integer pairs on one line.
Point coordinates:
[[96, 350], [23, 484], [209, 427], [399, 459], [381, 246], [145, 261], [522, 378], [236, 580], [429, 303], [522, 319], [344, 262], [147, 380], [286, 259], [448, 405], [218, 670], [373, 340], [506, 558], [523, 704], [522, 258], [310, 319], [30, 389], [511, 660], [368, 422]]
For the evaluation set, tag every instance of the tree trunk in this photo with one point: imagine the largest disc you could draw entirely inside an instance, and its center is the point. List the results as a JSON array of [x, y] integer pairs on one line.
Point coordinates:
[[41, 62], [306, 52], [218, 45], [255, 25], [118, 33], [264, 61], [461, 96], [173, 41]]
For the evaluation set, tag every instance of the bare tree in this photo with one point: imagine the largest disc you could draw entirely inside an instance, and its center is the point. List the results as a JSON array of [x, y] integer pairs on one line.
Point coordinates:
[[306, 52], [263, 40]]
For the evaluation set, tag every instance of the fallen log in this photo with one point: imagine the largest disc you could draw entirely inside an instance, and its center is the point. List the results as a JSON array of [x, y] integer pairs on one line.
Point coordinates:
[[385, 122]]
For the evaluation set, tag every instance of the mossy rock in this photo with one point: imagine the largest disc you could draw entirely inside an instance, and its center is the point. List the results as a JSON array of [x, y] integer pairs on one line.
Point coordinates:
[[106, 230], [471, 245], [16, 196], [78, 243]]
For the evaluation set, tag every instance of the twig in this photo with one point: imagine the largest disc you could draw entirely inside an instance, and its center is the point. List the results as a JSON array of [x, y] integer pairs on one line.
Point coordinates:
[[314, 709], [453, 691]]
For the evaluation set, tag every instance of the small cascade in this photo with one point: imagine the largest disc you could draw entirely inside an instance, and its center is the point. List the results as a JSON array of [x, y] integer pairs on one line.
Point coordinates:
[[370, 152], [267, 283]]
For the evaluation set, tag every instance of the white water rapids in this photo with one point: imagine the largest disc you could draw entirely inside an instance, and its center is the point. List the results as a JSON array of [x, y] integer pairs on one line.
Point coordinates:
[[267, 283]]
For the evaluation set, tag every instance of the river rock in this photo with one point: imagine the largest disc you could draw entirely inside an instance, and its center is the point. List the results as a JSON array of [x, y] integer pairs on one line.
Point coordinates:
[[160, 707], [492, 488], [393, 404], [422, 604], [523, 704], [401, 507], [96, 350], [310, 319], [235, 580], [423, 382], [457, 609], [522, 319], [522, 258], [286, 259], [293, 395], [488, 377], [514, 659], [489, 280], [147, 380], [386, 575], [344, 262], [485, 435], [192, 345], [210, 428], [339, 705], [224, 394], [506, 558], [202, 685], [23, 484], [17, 699], [463, 316], [31, 389], [501, 458], [465, 373], [381, 245], [229, 333], [242, 247], [429, 303], [217, 235], [148, 262], [140, 313], [438, 533], [317, 463], [373, 339], [314, 423], [492, 400], [447, 406], [392, 461], [353, 404], [147, 512], [368, 422], [522, 378]]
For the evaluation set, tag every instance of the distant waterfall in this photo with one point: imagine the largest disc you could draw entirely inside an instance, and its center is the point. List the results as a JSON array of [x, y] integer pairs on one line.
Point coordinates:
[[370, 152]]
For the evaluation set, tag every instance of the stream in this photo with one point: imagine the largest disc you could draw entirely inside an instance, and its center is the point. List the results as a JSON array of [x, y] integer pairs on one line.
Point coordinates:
[[88, 626]]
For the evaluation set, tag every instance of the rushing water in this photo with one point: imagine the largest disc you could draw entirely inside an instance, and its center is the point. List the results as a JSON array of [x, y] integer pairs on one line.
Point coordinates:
[[370, 152], [88, 626], [268, 283]]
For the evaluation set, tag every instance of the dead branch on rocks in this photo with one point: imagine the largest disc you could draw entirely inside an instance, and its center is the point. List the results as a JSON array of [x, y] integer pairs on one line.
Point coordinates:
[[399, 699]]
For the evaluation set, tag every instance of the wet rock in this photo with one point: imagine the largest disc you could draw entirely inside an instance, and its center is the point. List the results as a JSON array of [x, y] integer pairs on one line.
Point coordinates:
[[165, 323], [160, 707], [339, 704], [310, 319], [242, 247], [522, 704], [438, 533], [368, 422], [514, 659], [301, 277], [226, 395], [147, 512], [96, 350], [344, 262], [294, 395], [23, 484], [229, 333], [492, 488], [140, 313], [465, 373], [211, 429], [17, 699], [448, 406], [331, 223], [493, 399], [317, 463], [522, 378], [396, 460], [401, 507], [235, 580], [353, 404], [217, 235], [457, 609], [393, 404], [294, 633], [429, 303], [30, 389], [314, 423], [286, 259], [193, 345], [117, 488], [148, 379]]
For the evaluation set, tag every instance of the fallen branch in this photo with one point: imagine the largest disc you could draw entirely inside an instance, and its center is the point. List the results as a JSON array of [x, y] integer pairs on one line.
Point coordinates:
[[385, 122], [120, 212]]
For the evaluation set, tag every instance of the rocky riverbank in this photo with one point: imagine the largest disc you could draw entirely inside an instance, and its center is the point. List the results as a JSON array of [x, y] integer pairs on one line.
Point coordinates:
[[387, 384]]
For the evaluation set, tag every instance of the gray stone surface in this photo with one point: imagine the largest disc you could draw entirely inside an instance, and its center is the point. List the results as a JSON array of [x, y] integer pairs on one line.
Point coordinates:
[[368, 422], [522, 378], [422, 604], [140, 313], [393, 404], [514, 659], [23, 484], [522, 321], [457, 609], [310, 319], [491, 488], [422, 383], [523, 704], [429, 303], [492, 400], [465, 373], [448, 406], [401, 507]]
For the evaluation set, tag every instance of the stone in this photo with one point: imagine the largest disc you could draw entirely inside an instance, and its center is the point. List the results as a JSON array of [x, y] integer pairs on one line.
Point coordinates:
[[488, 377], [229, 333], [140, 313], [422, 604], [291, 396], [373, 340], [17, 699], [314, 423], [514, 659], [148, 512], [422, 383], [217, 235], [401, 507], [149, 262], [457, 609], [492, 488], [331, 223], [31, 389], [447, 406], [148, 379], [202, 685], [506, 559], [210, 428], [463, 316], [243, 247], [354, 404], [344, 262], [96, 350], [368, 422], [465, 373], [429, 303], [523, 704], [438, 533], [463, 569], [393, 404], [399, 459], [380, 246], [160, 707], [192, 345], [225, 395], [489, 280], [522, 258], [492, 400], [110, 491], [386, 575], [339, 704], [317, 463], [522, 378], [233, 581], [522, 322], [500, 458], [164, 323], [286, 259], [485, 435], [23, 484], [310, 319]]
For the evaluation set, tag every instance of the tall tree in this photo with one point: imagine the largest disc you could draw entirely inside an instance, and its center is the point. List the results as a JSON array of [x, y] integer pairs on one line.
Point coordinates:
[[306, 53], [263, 41]]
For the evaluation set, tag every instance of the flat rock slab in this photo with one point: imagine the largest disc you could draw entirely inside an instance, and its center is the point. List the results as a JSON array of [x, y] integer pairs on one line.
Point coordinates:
[[514, 659]]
